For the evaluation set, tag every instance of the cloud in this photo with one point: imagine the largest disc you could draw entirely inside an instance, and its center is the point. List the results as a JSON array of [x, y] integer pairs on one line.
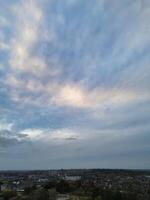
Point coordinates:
[[74, 83], [48, 91], [28, 33], [10, 138], [77, 96], [49, 135], [71, 95], [7, 142], [5, 126], [3, 21], [3, 46]]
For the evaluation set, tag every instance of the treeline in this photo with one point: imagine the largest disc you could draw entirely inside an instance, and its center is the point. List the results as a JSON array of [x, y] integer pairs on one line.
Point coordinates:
[[76, 190]]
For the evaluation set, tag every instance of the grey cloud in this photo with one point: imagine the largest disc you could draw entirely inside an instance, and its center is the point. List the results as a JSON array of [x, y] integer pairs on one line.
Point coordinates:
[[10, 138], [71, 138], [7, 142]]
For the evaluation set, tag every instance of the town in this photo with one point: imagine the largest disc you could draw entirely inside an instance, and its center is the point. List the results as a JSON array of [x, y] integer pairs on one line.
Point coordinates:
[[75, 184]]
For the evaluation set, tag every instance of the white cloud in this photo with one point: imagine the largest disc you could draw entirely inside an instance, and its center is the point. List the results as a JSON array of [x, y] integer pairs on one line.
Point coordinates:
[[80, 97], [30, 19], [50, 135], [33, 134], [5, 126], [28, 25], [4, 46], [70, 95]]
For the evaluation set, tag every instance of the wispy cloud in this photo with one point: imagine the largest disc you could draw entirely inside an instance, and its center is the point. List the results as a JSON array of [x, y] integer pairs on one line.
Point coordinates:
[[74, 80], [28, 33], [8, 136], [49, 135]]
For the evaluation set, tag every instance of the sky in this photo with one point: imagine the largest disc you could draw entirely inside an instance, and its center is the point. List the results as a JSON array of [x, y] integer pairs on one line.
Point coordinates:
[[74, 84]]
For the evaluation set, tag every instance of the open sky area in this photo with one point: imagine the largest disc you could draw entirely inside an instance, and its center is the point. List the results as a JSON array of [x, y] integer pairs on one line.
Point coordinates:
[[74, 84]]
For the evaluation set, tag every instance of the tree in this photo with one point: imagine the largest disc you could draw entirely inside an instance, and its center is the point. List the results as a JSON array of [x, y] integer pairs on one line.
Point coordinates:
[[29, 190], [1, 183], [50, 185], [52, 194], [117, 196], [9, 194], [40, 194], [107, 195], [63, 187], [95, 193]]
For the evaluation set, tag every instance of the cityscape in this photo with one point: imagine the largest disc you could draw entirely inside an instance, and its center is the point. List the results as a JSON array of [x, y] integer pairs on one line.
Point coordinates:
[[75, 184], [74, 99]]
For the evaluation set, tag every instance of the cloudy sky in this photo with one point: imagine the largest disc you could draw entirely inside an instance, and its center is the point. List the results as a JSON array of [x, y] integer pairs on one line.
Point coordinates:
[[74, 84]]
